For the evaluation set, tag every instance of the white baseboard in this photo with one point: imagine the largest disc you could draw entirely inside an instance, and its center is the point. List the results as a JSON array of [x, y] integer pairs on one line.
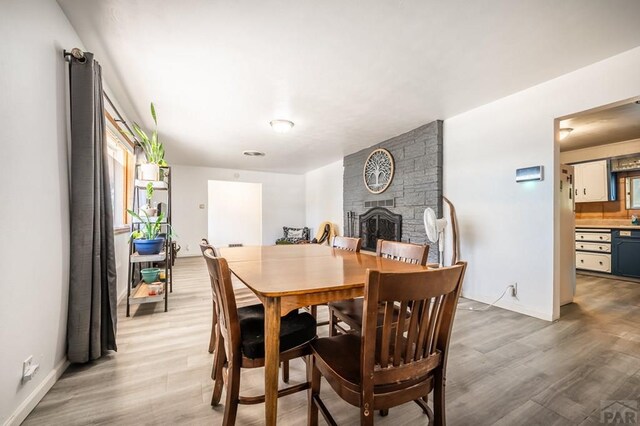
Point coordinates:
[[505, 304], [36, 396]]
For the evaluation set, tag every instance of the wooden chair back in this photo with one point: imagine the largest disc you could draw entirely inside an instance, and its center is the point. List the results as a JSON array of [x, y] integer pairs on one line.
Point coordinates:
[[404, 252], [204, 246], [225, 301], [414, 341], [347, 243]]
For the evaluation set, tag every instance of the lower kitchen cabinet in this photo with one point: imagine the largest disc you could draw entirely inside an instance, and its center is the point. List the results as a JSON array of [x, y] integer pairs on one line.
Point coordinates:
[[626, 253]]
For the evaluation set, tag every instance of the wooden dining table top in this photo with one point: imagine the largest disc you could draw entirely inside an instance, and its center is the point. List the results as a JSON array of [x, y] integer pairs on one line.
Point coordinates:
[[274, 271]]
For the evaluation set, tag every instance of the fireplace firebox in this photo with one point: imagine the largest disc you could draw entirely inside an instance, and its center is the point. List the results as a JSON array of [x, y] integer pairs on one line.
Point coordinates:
[[379, 223]]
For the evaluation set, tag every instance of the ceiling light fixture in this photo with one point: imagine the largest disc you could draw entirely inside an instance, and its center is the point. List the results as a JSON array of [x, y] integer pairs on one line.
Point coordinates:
[[564, 132], [281, 126], [253, 153]]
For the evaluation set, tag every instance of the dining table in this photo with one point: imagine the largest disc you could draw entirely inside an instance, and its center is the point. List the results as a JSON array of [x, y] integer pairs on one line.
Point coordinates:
[[288, 277]]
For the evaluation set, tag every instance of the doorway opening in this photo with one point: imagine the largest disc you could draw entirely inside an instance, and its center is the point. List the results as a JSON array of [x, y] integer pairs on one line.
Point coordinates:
[[598, 162], [235, 213]]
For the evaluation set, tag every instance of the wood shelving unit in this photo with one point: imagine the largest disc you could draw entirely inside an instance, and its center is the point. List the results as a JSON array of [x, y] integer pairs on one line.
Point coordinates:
[[141, 295], [138, 290]]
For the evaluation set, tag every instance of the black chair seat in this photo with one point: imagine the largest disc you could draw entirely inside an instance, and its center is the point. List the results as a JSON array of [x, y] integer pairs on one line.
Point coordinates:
[[295, 329], [350, 311]]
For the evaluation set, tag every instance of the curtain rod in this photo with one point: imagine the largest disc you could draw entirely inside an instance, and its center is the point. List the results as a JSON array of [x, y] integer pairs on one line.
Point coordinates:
[[79, 55]]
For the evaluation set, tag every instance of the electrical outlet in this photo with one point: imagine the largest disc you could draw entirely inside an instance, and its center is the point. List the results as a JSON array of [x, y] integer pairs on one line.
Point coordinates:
[[514, 290], [29, 369]]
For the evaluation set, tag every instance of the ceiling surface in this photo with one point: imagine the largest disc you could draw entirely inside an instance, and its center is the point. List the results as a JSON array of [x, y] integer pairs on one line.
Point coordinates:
[[349, 74], [616, 124]]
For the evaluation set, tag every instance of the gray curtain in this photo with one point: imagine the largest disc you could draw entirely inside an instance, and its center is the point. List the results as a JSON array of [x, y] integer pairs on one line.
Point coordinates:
[[91, 327]]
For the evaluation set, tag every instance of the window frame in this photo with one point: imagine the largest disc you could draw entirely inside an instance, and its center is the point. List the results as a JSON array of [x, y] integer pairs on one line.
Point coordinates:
[[129, 167]]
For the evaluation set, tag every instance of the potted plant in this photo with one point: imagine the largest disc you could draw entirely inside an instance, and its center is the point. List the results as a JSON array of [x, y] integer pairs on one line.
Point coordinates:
[[147, 240], [153, 150], [148, 208]]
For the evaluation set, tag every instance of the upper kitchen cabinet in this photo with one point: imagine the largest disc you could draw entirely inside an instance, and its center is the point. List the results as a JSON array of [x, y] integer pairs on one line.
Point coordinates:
[[591, 181]]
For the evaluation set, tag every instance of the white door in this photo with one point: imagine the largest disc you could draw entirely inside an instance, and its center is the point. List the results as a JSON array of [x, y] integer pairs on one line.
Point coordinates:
[[235, 213], [567, 235]]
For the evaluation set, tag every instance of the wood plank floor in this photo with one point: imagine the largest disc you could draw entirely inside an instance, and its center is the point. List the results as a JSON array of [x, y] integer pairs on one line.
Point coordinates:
[[504, 368]]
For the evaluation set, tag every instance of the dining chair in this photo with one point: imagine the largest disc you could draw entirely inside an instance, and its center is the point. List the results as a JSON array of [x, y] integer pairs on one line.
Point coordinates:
[[204, 246], [400, 361], [240, 340], [340, 243], [350, 311], [252, 309], [347, 243]]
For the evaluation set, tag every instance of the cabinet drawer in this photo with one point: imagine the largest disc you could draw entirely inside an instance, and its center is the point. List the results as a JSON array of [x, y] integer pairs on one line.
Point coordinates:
[[593, 261], [599, 247], [593, 236]]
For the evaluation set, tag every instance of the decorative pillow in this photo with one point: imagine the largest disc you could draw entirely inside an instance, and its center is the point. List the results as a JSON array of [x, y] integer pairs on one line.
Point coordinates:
[[296, 233]]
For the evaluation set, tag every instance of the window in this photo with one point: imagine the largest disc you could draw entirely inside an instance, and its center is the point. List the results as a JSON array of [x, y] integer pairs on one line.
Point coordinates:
[[120, 161], [633, 192]]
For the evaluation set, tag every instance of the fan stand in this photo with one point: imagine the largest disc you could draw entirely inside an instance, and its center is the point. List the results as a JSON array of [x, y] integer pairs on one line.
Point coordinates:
[[441, 248]]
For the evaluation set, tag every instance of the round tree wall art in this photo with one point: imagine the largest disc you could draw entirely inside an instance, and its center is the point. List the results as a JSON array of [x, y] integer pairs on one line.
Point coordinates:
[[378, 171]]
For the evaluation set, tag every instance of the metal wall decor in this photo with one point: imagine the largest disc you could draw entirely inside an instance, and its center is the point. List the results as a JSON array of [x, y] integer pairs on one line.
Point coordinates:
[[378, 171]]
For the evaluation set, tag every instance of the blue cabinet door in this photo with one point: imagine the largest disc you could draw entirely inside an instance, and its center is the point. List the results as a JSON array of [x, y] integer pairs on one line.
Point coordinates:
[[626, 254]]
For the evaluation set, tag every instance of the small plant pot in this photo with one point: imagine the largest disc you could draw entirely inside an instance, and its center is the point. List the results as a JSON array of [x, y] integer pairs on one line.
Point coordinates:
[[149, 171], [150, 275], [146, 247]]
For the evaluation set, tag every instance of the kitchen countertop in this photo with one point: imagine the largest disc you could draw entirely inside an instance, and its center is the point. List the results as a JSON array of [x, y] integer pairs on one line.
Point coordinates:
[[606, 223]]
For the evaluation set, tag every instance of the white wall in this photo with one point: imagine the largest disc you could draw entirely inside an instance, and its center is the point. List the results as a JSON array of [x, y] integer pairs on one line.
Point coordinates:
[[34, 211], [34, 207], [507, 229], [324, 191], [235, 213], [600, 152], [121, 241], [283, 202]]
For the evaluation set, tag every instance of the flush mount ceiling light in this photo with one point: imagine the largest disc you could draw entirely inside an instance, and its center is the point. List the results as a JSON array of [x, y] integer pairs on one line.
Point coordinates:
[[281, 126], [564, 132], [254, 153]]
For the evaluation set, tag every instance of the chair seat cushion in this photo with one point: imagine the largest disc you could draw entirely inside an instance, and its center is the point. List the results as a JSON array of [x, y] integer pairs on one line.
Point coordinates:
[[295, 330], [350, 311]]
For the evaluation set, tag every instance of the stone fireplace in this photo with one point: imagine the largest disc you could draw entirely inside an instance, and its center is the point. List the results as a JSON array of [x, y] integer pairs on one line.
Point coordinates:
[[379, 223], [396, 213]]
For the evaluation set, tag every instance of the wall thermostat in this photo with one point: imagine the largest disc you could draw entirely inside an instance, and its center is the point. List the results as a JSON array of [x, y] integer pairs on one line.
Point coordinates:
[[529, 173]]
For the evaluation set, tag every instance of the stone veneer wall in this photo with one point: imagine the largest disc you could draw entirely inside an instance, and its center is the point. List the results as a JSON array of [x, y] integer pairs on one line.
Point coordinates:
[[416, 185]]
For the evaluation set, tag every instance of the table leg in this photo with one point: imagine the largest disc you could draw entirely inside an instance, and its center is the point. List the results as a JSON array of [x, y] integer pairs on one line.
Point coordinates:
[[272, 359]]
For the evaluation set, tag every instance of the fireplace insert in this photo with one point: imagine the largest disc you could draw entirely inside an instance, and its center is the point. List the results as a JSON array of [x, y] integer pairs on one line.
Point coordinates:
[[379, 223]]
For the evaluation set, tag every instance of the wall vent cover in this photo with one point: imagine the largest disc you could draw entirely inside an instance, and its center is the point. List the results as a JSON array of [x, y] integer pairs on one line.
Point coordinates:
[[380, 203]]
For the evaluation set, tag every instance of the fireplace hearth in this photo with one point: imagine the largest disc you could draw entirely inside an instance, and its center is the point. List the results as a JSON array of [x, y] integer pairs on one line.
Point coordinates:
[[379, 223]]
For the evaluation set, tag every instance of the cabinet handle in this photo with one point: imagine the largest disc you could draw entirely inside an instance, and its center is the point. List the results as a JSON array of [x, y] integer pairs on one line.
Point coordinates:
[[582, 260], [585, 191], [600, 263]]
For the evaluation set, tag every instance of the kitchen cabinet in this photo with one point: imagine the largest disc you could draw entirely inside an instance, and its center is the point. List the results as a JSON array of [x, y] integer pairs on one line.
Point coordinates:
[[591, 181], [626, 253], [593, 250]]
